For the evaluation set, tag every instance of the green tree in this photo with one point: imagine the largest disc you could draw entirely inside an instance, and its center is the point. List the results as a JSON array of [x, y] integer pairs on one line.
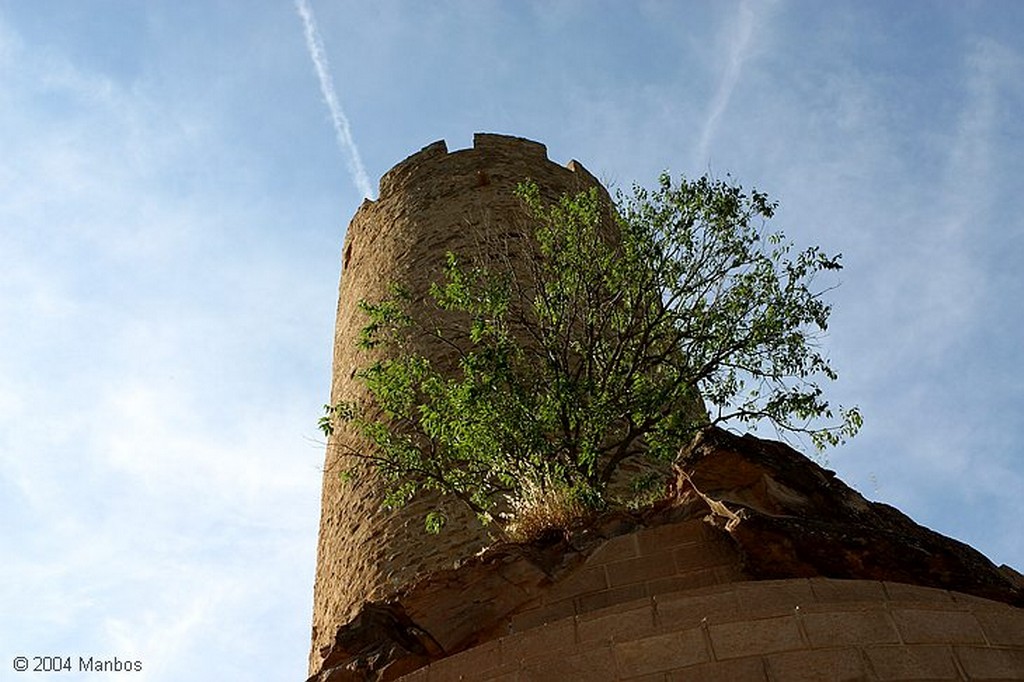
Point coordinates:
[[612, 334]]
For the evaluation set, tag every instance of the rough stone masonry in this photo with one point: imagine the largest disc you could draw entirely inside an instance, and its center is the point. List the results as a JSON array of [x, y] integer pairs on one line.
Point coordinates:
[[757, 566]]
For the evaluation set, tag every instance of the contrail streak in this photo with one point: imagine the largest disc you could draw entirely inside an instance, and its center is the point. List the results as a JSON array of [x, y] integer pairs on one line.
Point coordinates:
[[342, 131], [737, 54]]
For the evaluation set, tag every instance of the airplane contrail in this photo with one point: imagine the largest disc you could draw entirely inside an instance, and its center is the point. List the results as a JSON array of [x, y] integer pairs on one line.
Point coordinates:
[[737, 54], [342, 131]]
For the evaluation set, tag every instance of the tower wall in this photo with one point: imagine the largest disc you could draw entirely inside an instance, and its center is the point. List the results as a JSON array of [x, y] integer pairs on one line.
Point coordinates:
[[433, 202], [800, 629]]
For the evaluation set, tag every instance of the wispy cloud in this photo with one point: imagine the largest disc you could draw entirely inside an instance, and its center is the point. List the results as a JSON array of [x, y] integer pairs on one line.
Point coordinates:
[[954, 283], [112, 236], [990, 71], [342, 130], [739, 44]]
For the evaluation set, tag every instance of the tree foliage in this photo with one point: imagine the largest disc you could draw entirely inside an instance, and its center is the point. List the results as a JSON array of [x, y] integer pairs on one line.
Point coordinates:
[[612, 334]]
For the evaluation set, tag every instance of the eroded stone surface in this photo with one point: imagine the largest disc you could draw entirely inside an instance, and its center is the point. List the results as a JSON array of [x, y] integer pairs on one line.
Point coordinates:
[[800, 520], [779, 514]]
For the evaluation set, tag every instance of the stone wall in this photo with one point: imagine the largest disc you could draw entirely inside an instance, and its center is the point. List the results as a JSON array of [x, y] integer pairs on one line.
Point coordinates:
[[433, 202], [806, 629], [716, 581], [672, 603], [757, 566]]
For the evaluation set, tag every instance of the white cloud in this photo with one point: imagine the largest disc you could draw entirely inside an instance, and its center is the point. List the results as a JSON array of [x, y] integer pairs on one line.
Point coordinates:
[[938, 281], [153, 469]]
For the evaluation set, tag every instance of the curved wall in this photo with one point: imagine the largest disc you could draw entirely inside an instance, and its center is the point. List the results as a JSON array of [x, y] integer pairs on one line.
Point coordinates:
[[672, 602], [429, 204], [809, 629], [770, 631]]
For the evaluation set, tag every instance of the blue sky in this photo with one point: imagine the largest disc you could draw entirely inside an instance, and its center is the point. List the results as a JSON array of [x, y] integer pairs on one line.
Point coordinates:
[[174, 191]]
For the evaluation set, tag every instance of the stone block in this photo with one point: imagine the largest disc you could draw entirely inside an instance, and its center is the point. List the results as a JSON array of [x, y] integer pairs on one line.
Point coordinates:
[[829, 590], [617, 624], [766, 598], [481, 659], [660, 538], [592, 663], [547, 613], [660, 653], [1002, 626], [688, 610], [615, 595], [503, 675], [754, 637], [902, 592], [972, 602], [640, 569], [653, 677], [989, 663], [849, 627], [684, 582], [735, 670], [928, 626], [615, 549], [539, 642], [584, 581], [921, 662], [819, 665]]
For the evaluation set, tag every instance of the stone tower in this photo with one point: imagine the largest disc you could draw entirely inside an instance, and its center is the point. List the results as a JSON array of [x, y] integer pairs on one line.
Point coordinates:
[[758, 566], [433, 202]]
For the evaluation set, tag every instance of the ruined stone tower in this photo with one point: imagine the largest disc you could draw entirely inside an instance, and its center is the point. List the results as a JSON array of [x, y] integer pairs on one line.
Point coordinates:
[[433, 202], [759, 566]]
